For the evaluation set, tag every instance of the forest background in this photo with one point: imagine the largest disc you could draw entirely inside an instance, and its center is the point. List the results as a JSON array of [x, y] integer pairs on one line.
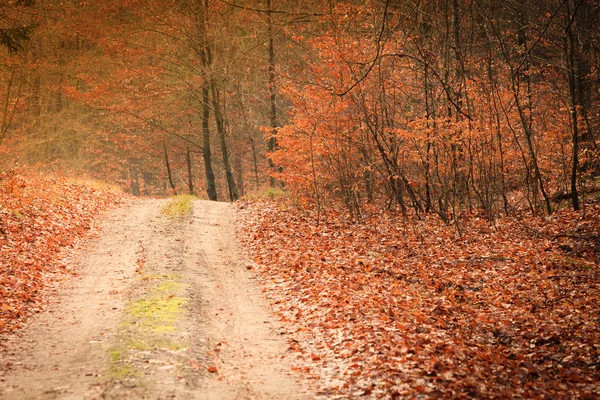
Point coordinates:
[[435, 106]]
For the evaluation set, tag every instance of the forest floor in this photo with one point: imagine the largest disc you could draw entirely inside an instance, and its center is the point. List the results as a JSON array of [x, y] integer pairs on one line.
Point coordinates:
[[160, 307], [157, 305], [400, 308]]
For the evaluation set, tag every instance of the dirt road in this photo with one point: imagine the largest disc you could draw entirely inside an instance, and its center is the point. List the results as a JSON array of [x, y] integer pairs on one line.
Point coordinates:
[[162, 309]]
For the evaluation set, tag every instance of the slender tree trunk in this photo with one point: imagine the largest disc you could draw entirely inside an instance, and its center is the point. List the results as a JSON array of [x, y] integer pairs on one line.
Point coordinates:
[[211, 188], [231, 185], [272, 143], [168, 164], [250, 137], [461, 176], [587, 24], [239, 169], [203, 50], [210, 88], [428, 115], [188, 157], [527, 117], [134, 181], [5, 110], [575, 103], [255, 161], [499, 139]]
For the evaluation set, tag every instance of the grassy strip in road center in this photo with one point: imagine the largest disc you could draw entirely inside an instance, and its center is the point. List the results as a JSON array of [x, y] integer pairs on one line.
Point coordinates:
[[158, 311], [148, 324], [178, 206], [149, 336]]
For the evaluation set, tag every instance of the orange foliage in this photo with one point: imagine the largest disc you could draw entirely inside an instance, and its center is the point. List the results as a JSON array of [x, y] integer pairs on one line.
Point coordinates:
[[392, 115]]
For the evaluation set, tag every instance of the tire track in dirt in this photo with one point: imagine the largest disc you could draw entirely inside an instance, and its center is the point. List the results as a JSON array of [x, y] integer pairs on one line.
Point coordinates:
[[242, 336], [161, 309]]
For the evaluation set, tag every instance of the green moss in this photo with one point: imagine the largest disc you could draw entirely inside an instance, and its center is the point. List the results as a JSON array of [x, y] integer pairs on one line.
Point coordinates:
[[124, 371], [154, 342], [149, 323], [170, 286], [138, 345], [174, 346], [119, 368], [116, 355], [161, 277], [157, 314], [163, 328], [178, 206]]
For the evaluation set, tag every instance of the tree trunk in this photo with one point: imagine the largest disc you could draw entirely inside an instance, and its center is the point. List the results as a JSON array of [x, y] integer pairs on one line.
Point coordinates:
[[203, 51], [188, 157], [587, 23], [231, 185], [210, 85], [168, 164], [134, 181], [527, 118], [239, 169], [575, 103], [211, 188], [250, 138], [272, 143]]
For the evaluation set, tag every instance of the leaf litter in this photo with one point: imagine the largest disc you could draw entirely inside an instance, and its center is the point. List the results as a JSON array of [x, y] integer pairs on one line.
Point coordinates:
[[39, 218], [394, 309]]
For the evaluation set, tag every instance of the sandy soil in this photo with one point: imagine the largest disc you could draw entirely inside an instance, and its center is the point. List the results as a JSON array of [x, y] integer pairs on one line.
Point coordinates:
[[162, 309]]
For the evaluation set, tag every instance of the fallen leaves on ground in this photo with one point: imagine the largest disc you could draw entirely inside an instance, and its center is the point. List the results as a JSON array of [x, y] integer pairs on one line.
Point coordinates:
[[38, 218], [212, 369], [395, 309]]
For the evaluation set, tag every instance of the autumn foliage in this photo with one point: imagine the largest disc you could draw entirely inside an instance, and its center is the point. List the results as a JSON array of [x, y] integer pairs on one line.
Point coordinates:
[[396, 309], [39, 218], [442, 106]]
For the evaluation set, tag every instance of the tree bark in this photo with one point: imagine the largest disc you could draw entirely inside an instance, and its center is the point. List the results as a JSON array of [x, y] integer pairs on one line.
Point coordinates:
[[272, 142], [575, 102], [211, 188], [250, 137], [526, 118], [168, 164], [188, 157], [133, 179], [203, 50], [233, 190]]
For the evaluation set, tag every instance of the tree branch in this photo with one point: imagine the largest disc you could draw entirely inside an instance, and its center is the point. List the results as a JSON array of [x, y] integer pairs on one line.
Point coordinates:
[[262, 10], [155, 124], [377, 54]]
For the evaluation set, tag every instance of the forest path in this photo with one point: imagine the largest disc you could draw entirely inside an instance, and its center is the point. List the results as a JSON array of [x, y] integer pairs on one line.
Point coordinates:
[[162, 309]]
